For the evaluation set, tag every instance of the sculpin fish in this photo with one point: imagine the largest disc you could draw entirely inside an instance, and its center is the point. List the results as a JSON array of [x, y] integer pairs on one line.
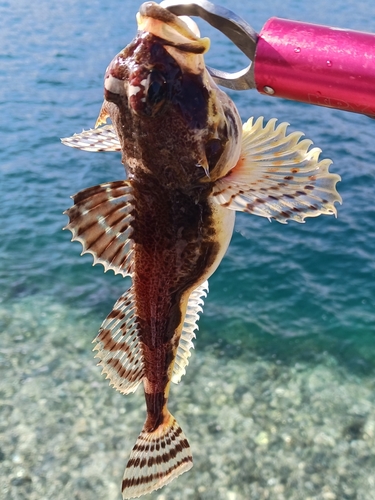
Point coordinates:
[[190, 166]]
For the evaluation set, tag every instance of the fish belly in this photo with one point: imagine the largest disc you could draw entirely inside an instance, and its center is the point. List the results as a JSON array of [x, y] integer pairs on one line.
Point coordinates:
[[178, 244]]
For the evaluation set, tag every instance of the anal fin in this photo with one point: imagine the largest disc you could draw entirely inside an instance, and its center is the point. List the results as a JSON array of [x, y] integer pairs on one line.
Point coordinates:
[[183, 354], [118, 345]]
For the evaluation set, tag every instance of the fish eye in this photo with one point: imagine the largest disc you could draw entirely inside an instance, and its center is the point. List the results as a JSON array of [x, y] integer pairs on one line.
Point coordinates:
[[157, 90]]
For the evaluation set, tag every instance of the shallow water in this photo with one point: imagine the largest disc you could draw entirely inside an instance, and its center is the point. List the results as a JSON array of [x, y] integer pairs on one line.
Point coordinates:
[[278, 402]]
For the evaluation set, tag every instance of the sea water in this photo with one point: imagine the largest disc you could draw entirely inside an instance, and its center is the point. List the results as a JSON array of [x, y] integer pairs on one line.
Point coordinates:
[[278, 399]]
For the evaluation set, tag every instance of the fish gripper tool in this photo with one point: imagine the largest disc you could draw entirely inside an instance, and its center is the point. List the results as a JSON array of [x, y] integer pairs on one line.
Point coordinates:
[[305, 62]]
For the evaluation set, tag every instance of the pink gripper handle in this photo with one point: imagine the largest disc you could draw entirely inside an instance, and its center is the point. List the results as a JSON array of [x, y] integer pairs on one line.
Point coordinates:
[[316, 65]]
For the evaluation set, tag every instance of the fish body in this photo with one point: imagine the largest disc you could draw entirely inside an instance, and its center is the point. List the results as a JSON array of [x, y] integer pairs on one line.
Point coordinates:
[[190, 166]]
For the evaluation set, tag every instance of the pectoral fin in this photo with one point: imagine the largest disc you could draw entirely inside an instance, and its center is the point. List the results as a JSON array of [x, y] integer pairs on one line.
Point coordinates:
[[101, 220], [97, 140], [278, 176]]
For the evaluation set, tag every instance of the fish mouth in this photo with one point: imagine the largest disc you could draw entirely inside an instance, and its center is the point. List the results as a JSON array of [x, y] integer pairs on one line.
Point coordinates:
[[182, 33], [144, 73]]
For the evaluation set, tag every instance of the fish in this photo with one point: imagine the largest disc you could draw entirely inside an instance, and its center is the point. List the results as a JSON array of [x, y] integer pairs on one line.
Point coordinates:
[[190, 166]]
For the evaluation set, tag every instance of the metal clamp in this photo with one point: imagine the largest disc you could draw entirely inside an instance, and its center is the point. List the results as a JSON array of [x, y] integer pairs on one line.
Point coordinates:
[[233, 27]]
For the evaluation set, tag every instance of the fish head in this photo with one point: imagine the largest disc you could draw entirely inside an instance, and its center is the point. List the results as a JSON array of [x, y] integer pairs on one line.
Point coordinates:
[[168, 113]]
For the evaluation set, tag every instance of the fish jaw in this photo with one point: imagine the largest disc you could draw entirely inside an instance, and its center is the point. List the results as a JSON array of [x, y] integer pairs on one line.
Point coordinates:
[[180, 35], [161, 98]]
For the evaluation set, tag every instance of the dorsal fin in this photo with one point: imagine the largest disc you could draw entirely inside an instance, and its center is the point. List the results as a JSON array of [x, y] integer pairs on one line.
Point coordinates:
[[194, 307], [101, 220], [96, 140], [278, 176], [118, 346]]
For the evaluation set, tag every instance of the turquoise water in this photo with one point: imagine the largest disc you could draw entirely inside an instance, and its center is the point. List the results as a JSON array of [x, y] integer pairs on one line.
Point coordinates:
[[285, 351]]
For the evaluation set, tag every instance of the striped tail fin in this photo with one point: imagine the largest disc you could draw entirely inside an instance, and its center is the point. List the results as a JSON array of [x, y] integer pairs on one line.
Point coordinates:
[[156, 459]]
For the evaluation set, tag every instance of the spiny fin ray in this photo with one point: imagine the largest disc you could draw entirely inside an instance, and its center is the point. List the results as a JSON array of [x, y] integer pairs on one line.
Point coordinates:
[[118, 345], [96, 140], [278, 176], [157, 458], [100, 220], [183, 354]]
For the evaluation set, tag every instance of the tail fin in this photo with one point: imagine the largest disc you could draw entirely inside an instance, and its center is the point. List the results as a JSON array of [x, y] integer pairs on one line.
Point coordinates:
[[156, 459]]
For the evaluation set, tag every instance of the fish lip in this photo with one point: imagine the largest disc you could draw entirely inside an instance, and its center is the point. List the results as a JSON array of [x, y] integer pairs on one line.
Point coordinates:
[[154, 10], [179, 32]]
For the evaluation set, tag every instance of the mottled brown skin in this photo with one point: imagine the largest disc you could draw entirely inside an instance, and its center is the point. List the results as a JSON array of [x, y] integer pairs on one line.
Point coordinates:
[[173, 228], [173, 247]]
